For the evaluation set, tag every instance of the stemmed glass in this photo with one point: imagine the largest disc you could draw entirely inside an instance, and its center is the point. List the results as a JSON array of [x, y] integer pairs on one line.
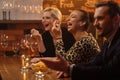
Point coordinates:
[[34, 47], [27, 45], [31, 44], [4, 41], [39, 68], [23, 56], [15, 47]]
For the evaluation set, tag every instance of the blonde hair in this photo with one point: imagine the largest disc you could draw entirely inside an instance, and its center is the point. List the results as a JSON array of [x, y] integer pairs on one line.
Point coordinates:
[[56, 13]]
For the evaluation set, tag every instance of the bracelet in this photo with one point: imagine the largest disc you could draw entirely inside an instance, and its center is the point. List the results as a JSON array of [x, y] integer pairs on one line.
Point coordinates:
[[68, 71], [57, 38], [71, 69]]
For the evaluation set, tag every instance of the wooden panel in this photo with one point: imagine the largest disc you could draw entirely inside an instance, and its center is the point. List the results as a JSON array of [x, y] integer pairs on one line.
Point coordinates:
[[15, 29], [19, 21], [12, 32], [13, 36]]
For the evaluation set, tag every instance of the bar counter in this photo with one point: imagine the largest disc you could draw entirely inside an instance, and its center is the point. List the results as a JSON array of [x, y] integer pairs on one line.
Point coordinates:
[[10, 70]]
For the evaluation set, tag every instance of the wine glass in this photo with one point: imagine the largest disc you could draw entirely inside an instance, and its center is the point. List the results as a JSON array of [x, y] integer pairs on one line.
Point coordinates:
[[28, 39], [31, 45], [34, 47], [4, 44], [23, 55], [15, 47], [4, 41], [26, 54], [23, 46]]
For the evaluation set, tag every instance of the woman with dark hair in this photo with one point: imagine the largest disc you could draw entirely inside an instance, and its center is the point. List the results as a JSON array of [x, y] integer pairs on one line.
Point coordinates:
[[85, 47]]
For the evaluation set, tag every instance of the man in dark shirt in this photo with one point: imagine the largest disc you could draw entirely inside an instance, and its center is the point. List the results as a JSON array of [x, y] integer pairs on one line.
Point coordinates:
[[0, 77]]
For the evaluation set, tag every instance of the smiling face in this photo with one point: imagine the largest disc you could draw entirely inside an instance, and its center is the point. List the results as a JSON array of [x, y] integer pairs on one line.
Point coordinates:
[[50, 15], [73, 21], [103, 22], [47, 20]]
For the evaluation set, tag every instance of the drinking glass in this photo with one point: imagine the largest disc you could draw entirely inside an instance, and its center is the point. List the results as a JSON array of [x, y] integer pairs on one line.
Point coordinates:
[[34, 47], [15, 47], [25, 63], [23, 50], [4, 41], [31, 44], [4, 44], [25, 45], [28, 39], [40, 70]]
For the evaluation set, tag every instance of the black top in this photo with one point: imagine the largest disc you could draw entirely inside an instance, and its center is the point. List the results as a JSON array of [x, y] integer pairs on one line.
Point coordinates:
[[0, 77], [68, 40]]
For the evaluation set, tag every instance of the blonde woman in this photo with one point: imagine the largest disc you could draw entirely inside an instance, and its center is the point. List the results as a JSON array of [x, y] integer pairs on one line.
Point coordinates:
[[45, 40]]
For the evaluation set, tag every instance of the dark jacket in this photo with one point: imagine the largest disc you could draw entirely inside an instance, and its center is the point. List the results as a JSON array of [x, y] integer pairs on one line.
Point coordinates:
[[104, 66], [68, 40], [0, 77]]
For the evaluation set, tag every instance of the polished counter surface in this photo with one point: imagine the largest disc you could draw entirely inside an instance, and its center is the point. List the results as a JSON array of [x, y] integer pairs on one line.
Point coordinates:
[[10, 70]]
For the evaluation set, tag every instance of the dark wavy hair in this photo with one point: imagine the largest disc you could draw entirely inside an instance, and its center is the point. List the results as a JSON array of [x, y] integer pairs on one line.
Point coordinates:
[[85, 17], [114, 8]]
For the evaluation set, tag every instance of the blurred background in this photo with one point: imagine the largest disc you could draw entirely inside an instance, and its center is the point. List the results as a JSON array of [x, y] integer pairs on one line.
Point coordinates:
[[17, 17]]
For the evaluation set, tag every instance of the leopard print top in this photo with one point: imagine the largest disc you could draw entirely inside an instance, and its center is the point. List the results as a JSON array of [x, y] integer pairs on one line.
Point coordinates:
[[82, 51]]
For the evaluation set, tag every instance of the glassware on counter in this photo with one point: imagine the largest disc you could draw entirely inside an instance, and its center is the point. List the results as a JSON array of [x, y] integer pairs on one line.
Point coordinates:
[[24, 63], [15, 48], [4, 41], [40, 70]]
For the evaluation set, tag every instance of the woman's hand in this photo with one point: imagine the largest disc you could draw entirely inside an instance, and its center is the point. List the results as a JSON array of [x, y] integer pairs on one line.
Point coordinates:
[[35, 60], [35, 33], [56, 30], [38, 37], [58, 63], [61, 74]]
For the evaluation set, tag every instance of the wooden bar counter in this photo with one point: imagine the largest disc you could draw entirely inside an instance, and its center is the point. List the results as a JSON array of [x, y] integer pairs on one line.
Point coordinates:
[[10, 70]]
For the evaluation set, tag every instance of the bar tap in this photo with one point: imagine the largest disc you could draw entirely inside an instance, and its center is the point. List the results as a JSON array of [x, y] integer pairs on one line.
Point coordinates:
[[4, 15]]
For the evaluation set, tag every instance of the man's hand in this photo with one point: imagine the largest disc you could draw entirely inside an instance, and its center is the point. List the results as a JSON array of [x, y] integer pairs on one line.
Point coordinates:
[[58, 63], [35, 60]]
